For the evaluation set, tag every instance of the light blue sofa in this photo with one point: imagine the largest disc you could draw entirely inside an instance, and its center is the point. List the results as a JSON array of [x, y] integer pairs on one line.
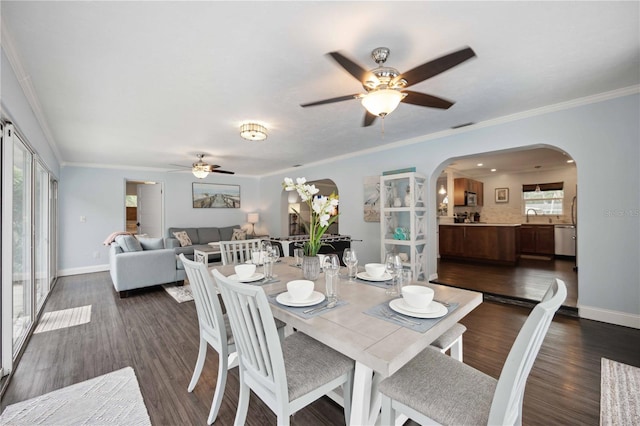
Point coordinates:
[[144, 262]]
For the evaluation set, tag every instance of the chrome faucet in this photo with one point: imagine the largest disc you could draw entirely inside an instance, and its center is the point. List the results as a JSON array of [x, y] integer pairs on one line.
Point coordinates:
[[534, 212]]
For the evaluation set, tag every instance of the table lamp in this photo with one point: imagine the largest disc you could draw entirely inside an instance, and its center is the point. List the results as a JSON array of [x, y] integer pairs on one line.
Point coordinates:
[[253, 218]]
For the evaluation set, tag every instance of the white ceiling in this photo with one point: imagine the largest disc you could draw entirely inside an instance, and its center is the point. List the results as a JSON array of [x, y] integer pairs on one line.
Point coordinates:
[[148, 84]]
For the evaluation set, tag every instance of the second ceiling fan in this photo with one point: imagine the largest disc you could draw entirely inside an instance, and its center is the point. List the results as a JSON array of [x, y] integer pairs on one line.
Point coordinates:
[[386, 86]]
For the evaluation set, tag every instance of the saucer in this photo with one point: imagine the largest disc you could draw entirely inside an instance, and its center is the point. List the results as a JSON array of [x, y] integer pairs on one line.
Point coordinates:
[[365, 276], [399, 304], [285, 299], [255, 277]]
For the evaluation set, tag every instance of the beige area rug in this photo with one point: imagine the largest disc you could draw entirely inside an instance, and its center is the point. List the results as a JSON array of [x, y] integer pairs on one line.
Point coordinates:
[[619, 394], [56, 320], [111, 399], [179, 293]]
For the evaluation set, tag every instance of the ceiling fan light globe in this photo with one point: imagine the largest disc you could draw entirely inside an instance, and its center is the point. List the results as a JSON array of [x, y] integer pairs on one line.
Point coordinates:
[[200, 172], [382, 102]]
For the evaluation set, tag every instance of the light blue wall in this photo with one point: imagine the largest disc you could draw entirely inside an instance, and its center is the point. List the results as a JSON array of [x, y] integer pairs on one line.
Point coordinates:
[[602, 137], [98, 195], [16, 109]]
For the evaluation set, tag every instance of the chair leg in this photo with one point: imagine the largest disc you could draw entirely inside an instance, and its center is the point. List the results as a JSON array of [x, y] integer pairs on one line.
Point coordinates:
[[202, 354], [456, 349], [219, 392], [387, 415], [347, 390], [243, 403]]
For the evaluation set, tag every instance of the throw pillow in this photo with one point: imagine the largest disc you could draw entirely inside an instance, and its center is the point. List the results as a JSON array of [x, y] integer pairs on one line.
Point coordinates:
[[151, 243], [239, 234], [183, 238], [128, 243]]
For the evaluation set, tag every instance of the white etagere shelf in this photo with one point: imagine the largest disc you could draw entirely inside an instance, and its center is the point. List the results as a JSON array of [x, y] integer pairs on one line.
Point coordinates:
[[403, 219]]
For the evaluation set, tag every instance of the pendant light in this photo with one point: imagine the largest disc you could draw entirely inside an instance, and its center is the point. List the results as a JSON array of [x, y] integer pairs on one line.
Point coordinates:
[[442, 191]]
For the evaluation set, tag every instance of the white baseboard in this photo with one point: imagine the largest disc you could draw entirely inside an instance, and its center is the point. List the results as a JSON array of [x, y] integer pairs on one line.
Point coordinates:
[[83, 270], [608, 316]]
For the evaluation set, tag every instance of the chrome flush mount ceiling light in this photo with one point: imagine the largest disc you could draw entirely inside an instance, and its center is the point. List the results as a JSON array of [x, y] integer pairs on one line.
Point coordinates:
[[253, 132]]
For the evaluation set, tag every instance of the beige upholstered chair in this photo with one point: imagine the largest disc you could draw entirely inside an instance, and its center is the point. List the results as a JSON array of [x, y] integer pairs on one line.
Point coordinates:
[[237, 251], [286, 375], [451, 339], [434, 388]]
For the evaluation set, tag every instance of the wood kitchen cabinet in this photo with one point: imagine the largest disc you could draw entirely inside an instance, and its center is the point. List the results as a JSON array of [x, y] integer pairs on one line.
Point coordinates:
[[485, 243], [537, 239], [462, 185]]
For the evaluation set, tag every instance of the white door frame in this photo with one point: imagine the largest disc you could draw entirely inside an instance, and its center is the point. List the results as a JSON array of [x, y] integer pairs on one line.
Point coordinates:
[[124, 206]]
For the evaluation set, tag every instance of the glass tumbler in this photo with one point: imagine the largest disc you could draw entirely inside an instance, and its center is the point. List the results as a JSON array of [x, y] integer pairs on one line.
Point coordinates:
[[298, 254], [332, 277]]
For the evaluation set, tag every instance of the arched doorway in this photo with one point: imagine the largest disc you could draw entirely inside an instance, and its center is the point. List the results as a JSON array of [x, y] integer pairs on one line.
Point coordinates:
[[507, 180], [291, 203]]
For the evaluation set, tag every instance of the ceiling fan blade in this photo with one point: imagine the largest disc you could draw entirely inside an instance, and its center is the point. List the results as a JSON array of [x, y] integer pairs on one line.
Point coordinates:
[[422, 99], [180, 165], [213, 166], [223, 171], [332, 100], [368, 119], [436, 66], [351, 67]]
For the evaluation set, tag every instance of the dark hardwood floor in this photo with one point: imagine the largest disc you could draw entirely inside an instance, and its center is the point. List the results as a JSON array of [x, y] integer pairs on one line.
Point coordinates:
[[158, 337], [528, 280]]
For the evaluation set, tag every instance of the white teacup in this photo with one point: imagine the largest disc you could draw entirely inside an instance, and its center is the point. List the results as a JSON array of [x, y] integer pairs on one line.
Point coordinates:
[[245, 271], [375, 270], [417, 296], [300, 289]]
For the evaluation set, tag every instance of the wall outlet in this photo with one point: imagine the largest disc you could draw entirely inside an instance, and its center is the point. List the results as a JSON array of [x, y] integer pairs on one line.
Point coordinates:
[[96, 255], [83, 219]]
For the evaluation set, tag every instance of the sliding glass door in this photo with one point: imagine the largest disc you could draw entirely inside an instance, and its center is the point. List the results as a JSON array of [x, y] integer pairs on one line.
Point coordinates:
[[21, 276], [29, 214]]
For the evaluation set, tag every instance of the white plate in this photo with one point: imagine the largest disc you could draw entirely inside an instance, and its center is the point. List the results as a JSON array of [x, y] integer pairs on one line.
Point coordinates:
[[397, 305], [255, 277], [365, 276], [429, 309], [285, 298]]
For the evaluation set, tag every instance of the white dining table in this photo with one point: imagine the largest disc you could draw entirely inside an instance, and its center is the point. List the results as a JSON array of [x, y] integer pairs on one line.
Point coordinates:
[[378, 347]]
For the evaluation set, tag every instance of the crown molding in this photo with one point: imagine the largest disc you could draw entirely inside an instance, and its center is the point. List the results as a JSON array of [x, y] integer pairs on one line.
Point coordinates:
[[574, 103], [6, 41]]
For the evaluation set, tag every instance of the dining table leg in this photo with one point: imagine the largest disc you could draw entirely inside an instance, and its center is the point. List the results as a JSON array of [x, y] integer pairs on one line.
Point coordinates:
[[366, 400]]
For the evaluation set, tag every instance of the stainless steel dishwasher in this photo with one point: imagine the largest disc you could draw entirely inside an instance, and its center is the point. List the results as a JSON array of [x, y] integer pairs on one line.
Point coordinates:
[[565, 240]]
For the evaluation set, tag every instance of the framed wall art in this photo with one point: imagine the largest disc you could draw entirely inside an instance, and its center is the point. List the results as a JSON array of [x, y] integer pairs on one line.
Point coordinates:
[[372, 199], [502, 195], [213, 195]]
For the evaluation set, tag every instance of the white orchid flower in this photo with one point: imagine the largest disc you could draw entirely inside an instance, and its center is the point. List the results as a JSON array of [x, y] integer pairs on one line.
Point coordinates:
[[324, 220], [301, 181]]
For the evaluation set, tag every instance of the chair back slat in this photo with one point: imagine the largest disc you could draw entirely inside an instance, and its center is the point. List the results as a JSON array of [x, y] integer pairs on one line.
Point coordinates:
[[255, 333], [506, 407], [237, 251], [205, 296]]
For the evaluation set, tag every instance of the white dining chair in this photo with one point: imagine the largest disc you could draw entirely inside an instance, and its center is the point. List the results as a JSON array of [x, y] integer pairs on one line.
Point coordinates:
[[238, 251], [451, 339], [214, 330], [436, 389], [287, 376]]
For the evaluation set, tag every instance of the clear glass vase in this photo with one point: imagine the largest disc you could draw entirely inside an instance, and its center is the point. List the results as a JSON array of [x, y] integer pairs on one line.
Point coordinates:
[[311, 267]]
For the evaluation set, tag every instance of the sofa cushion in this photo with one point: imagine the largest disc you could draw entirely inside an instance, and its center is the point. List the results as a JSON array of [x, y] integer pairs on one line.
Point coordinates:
[[128, 243], [239, 234], [191, 232], [151, 243], [208, 235], [183, 237], [227, 232]]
